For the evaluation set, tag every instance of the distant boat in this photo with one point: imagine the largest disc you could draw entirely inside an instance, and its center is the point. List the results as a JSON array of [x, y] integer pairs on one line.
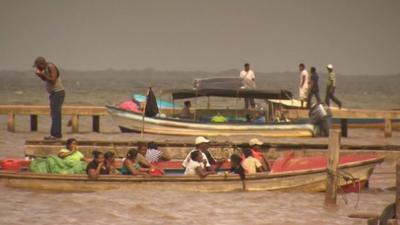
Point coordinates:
[[136, 122]]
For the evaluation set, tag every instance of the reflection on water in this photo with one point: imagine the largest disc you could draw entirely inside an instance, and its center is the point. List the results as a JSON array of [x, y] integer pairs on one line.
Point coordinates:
[[171, 207]]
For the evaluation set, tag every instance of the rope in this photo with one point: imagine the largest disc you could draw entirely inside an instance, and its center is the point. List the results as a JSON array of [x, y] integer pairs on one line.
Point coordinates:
[[347, 177]]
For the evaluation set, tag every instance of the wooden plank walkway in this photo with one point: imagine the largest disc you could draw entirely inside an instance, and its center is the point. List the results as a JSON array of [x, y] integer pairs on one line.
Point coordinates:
[[35, 110], [96, 111], [345, 114]]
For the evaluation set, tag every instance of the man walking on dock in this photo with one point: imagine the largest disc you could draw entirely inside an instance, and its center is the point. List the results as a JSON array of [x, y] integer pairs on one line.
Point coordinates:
[[314, 87], [49, 73], [304, 84], [331, 86], [249, 82]]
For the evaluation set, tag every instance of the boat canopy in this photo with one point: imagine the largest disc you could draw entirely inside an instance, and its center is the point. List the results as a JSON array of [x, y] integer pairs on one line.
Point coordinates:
[[232, 93]]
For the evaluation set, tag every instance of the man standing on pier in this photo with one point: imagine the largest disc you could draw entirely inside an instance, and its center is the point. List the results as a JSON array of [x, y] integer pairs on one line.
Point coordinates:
[[304, 83], [331, 86], [49, 73], [249, 82]]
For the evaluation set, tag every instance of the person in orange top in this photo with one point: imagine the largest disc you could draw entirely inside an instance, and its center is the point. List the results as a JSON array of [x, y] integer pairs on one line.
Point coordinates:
[[255, 145]]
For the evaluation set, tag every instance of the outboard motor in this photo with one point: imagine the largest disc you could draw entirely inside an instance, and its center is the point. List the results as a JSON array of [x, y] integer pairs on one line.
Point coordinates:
[[320, 115]]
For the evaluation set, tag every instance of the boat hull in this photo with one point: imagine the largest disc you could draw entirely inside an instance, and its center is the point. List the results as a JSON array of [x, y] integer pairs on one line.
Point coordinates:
[[135, 122], [313, 180]]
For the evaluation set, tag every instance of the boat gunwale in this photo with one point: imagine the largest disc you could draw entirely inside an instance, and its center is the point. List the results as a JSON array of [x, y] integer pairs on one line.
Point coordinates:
[[225, 177]]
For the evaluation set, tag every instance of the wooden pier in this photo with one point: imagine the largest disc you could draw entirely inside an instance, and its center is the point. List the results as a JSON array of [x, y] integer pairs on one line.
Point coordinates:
[[345, 114], [43, 110], [96, 111]]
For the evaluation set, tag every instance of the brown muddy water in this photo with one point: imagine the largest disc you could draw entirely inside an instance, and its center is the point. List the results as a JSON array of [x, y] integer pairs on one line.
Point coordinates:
[[173, 207]]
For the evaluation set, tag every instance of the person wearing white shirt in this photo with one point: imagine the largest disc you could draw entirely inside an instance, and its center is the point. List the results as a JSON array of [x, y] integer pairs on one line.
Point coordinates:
[[304, 83], [249, 82], [201, 144], [196, 165]]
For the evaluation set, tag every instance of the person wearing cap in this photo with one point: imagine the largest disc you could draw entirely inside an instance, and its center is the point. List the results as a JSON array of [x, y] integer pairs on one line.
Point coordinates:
[[255, 146], [331, 86], [202, 145], [49, 73], [304, 83], [249, 82]]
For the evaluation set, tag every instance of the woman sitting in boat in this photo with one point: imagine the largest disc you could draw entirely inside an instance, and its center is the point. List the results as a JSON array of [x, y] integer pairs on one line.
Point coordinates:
[[143, 161], [97, 166], [251, 164], [70, 153], [110, 162], [196, 165], [131, 167], [69, 161]]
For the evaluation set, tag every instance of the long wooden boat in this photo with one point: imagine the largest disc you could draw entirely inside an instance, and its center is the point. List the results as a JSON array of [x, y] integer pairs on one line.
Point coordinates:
[[168, 126], [309, 180]]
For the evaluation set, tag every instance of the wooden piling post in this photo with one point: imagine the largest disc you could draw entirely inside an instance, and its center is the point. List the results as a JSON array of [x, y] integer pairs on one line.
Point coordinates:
[[75, 123], [34, 122], [344, 127], [11, 122], [332, 167], [388, 127], [398, 193], [96, 123]]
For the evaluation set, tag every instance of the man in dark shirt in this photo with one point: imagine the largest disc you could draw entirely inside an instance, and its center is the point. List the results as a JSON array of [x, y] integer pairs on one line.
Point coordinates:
[[314, 87]]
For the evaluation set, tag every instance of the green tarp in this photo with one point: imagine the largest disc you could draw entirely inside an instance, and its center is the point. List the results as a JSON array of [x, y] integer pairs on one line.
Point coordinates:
[[54, 164]]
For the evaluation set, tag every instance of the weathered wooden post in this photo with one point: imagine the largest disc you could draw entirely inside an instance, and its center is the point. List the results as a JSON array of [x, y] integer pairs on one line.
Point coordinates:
[[34, 122], [332, 167], [398, 193], [11, 122], [96, 123], [344, 127], [75, 123], [388, 127]]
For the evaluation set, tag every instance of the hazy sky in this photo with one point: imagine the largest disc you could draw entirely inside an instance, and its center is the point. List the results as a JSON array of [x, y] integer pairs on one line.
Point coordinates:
[[356, 36]]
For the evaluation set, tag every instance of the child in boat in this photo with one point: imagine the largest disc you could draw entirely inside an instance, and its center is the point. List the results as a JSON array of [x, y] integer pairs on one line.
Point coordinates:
[[202, 144], [154, 155], [196, 165], [131, 167], [97, 166], [110, 162], [70, 153], [251, 164], [236, 166], [255, 146]]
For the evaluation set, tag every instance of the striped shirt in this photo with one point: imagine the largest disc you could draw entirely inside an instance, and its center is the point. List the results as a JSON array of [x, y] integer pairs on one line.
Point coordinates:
[[153, 155], [331, 79]]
